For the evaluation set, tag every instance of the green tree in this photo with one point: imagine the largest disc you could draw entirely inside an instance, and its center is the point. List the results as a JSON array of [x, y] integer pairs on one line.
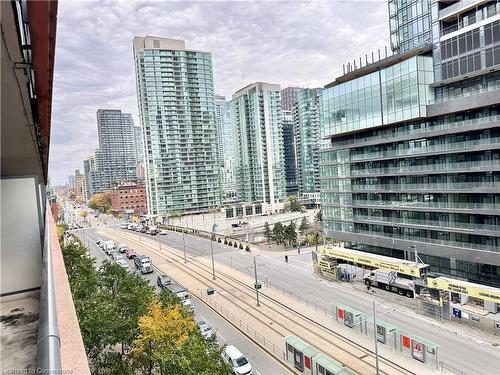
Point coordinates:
[[290, 234], [131, 295], [319, 217], [278, 232], [304, 226], [84, 214], [267, 232], [293, 204]]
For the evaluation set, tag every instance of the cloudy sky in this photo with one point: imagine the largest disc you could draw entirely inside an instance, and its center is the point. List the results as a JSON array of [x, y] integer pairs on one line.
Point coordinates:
[[293, 43]]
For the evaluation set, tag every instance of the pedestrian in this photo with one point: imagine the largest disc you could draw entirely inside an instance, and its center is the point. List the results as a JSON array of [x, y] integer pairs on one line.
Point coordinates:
[[298, 250], [286, 258]]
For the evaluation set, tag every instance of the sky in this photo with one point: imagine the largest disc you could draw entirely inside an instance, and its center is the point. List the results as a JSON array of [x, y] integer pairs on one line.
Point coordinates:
[[292, 43]]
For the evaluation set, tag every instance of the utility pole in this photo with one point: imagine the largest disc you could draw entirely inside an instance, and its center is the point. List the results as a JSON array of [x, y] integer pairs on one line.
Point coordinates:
[[214, 228], [375, 338], [256, 282], [184, 244]]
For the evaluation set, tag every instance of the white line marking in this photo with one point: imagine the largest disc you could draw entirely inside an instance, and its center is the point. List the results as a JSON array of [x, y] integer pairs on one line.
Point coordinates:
[[222, 337], [258, 373], [202, 318]]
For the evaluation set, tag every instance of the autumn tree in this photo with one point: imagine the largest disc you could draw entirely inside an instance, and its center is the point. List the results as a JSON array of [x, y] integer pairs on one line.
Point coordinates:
[[101, 202]]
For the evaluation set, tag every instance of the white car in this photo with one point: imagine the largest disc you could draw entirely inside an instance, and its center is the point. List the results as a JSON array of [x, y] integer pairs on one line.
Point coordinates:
[[123, 226], [122, 263], [206, 330], [117, 256], [236, 360], [163, 232]]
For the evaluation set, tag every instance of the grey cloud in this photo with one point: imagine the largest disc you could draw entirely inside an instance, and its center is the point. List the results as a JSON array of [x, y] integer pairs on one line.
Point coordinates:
[[291, 43]]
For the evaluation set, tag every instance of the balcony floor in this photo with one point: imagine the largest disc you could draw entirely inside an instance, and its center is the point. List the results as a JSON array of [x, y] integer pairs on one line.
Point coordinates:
[[19, 330]]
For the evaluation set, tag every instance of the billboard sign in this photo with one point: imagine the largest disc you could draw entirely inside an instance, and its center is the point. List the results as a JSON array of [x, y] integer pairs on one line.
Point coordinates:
[[348, 319], [418, 351], [381, 334]]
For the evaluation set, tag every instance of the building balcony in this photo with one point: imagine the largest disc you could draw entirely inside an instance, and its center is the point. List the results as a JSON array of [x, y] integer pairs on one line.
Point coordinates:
[[459, 7], [39, 322]]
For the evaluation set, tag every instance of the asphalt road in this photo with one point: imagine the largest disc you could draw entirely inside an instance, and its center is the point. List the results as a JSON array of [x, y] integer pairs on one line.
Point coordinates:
[[261, 362], [470, 351]]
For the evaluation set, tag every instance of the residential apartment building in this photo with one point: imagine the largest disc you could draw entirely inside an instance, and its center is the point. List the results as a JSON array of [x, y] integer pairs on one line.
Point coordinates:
[[410, 156], [257, 119], [129, 199], [115, 159], [80, 186], [289, 97], [306, 128], [226, 140], [89, 170], [175, 95], [289, 155]]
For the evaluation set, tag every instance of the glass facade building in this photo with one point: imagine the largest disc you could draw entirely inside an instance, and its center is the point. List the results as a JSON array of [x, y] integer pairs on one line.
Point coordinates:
[[257, 117], [292, 187], [306, 127], [175, 94], [115, 159], [226, 148], [410, 159]]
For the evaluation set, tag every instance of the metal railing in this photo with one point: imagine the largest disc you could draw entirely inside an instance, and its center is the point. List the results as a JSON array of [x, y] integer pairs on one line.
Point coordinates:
[[48, 356], [244, 327]]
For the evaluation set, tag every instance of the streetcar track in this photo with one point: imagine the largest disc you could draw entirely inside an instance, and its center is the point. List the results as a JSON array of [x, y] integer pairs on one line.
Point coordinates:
[[232, 280]]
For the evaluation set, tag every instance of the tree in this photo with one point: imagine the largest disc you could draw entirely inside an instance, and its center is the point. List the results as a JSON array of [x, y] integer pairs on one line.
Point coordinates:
[[294, 204], [267, 232], [319, 217], [291, 233], [101, 202], [278, 232], [304, 226], [315, 234], [84, 215], [162, 335]]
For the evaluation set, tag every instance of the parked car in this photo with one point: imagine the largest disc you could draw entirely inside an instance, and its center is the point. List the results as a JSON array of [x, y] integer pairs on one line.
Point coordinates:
[[206, 330], [117, 256], [131, 226], [122, 248], [130, 254], [153, 232], [144, 229], [98, 241], [163, 280], [236, 360], [122, 263], [123, 226], [163, 232]]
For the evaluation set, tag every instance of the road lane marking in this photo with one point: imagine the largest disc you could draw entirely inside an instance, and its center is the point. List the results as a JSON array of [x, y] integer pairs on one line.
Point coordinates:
[[258, 373], [222, 337]]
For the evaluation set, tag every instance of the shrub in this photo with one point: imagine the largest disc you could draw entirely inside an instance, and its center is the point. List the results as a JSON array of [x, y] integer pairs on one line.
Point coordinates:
[[247, 248], [235, 244], [241, 246], [219, 240], [230, 243], [225, 241]]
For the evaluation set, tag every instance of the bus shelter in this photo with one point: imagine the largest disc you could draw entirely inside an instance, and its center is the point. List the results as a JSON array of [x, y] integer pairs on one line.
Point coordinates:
[[387, 334], [299, 354], [324, 365], [418, 348], [351, 318]]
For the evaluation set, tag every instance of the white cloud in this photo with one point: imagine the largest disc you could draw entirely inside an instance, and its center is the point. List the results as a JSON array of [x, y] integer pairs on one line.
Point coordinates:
[[300, 43]]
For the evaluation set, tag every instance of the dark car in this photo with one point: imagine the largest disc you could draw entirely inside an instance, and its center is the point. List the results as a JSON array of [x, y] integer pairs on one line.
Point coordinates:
[[130, 254], [144, 229], [163, 280]]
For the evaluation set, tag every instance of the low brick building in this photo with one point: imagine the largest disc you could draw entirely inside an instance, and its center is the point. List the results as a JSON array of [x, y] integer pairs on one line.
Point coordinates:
[[128, 198]]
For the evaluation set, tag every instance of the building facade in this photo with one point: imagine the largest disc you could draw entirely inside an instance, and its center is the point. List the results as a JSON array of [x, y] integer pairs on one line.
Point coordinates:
[[80, 186], [226, 148], [410, 157], [175, 95], [115, 159], [257, 119], [129, 199], [306, 128], [289, 154], [289, 97], [89, 170]]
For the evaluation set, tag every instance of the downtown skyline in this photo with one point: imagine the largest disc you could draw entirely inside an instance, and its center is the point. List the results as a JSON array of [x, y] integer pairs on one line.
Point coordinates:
[[313, 58]]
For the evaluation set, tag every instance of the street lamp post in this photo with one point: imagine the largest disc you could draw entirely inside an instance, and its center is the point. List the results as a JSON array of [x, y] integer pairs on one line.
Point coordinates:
[[184, 244], [212, 252], [375, 339], [256, 282]]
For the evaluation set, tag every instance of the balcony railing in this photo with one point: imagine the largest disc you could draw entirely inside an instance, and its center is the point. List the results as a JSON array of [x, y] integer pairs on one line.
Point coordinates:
[[48, 358]]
